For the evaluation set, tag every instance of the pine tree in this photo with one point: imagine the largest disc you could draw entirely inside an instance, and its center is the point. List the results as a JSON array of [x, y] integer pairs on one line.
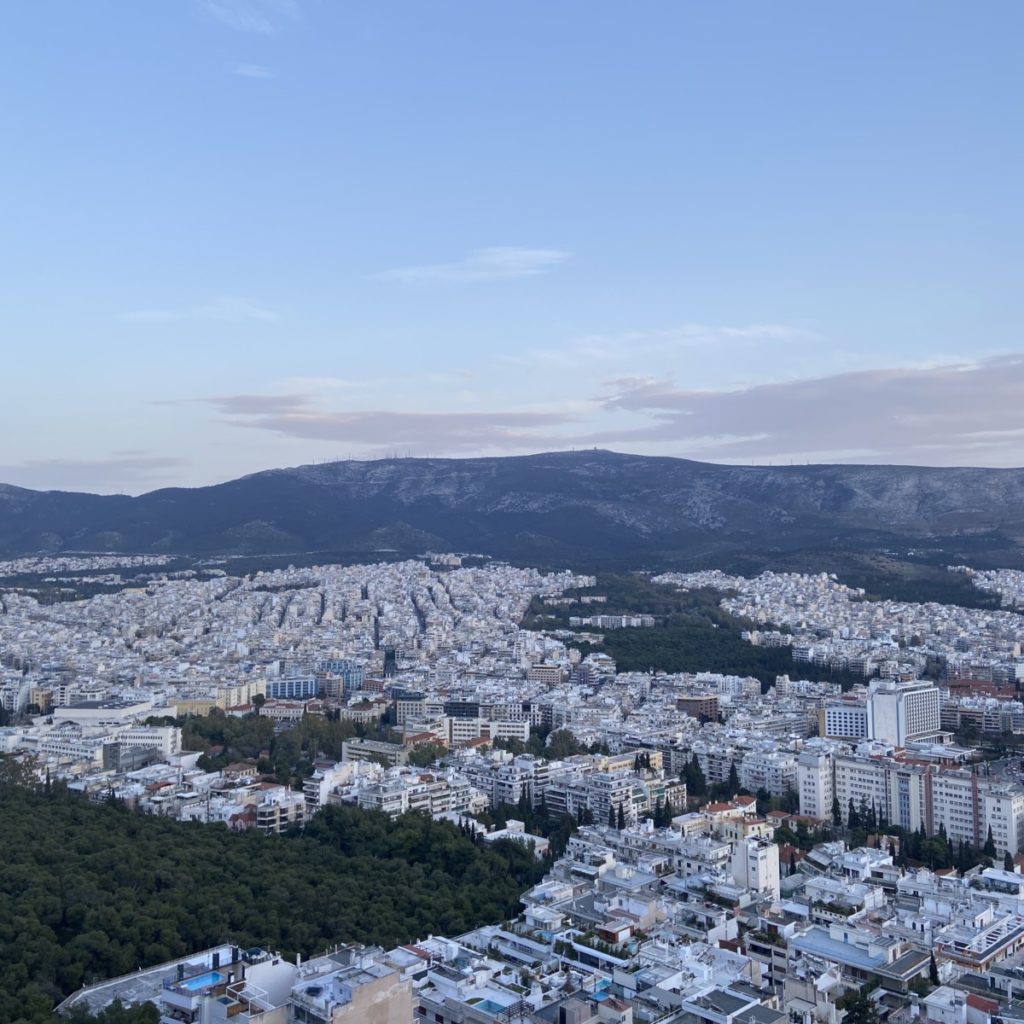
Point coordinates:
[[989, 849], [1007, 861], [734, 780], [611, 816], [693, 776], [792, 862], [933, 969], [837, 812], [852, 817], [620, 819]]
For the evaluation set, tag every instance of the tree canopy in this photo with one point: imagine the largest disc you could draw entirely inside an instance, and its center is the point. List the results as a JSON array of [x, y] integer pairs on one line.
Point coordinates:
[[91, 891]]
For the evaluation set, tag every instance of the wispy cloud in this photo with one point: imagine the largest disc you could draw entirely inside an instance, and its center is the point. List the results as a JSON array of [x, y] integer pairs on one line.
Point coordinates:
[[954, 413], [499, 263], [386, 429], [245, 405], [263, 17], [963, 413], [225, 308], [252, 71], [259, 405]]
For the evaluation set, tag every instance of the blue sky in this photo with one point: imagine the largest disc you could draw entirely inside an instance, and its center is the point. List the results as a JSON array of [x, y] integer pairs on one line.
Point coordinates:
[[239, 234]]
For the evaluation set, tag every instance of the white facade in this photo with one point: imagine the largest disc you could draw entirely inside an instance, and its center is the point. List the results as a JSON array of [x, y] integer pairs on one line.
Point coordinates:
[[773, 770], [755, 866], [816, 784], [902, 712], [1003, 812], [844, 720], [165, 738], [863, 781]]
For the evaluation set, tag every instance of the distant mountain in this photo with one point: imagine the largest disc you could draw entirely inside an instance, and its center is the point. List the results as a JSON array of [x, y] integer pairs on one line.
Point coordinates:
[[589, 507]]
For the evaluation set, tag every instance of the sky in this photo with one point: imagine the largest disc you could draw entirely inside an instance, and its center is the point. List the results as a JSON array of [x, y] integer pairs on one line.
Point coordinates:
[[242, 234]]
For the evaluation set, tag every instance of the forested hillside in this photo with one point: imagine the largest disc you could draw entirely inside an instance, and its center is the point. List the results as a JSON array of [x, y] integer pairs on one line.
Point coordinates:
[[691, 632], [89, 891]]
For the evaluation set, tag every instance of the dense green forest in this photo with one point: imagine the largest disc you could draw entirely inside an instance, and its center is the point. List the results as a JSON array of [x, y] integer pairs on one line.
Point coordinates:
[[692, 633], [90, 891]]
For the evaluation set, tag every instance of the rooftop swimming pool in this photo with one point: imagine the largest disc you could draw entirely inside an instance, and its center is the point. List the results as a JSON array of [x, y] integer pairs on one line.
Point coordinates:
[[203, 981]]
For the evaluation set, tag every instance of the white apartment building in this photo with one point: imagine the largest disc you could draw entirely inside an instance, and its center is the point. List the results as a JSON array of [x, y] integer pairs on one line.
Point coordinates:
[[909, 795], [612, 790], [845, 720], [816, 783], [1004, 814], [915, 796], [956, 804], [864, 781], [773, 770], [755, 866], [165, 738]]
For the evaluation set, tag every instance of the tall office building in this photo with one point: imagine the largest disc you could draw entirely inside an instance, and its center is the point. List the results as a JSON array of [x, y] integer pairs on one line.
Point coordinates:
[[900, 713]]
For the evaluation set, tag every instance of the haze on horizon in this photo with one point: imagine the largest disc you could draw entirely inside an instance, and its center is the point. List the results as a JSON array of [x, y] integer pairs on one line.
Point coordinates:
[[251, 233]]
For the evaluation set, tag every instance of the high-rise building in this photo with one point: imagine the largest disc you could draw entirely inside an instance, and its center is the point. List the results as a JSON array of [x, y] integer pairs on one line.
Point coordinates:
[[900, 713]]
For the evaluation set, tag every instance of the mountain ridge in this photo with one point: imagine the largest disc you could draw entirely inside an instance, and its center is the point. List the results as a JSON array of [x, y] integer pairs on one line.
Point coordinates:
[[589, 505]]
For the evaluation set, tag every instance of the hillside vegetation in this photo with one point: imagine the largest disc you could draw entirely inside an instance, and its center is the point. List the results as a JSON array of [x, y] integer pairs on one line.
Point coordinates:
[[91, 891], [692, 633]]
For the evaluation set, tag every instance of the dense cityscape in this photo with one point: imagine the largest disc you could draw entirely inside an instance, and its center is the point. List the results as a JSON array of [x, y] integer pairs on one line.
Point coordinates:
[[707, 847]]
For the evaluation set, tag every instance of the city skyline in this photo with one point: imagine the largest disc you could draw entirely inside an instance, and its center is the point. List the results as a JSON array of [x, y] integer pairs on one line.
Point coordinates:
[[254, 233]]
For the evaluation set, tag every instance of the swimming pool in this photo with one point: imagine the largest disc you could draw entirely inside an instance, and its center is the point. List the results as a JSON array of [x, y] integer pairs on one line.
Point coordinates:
[[203, 981]]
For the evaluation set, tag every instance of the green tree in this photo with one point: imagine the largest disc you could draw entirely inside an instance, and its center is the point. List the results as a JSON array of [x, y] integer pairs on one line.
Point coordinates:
[[989, 849], [734, 779], [92, 891], [852, 817], [861, 1009], [693, 776], [424, 754], [659, 813], [933, 969], [562, 744]]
